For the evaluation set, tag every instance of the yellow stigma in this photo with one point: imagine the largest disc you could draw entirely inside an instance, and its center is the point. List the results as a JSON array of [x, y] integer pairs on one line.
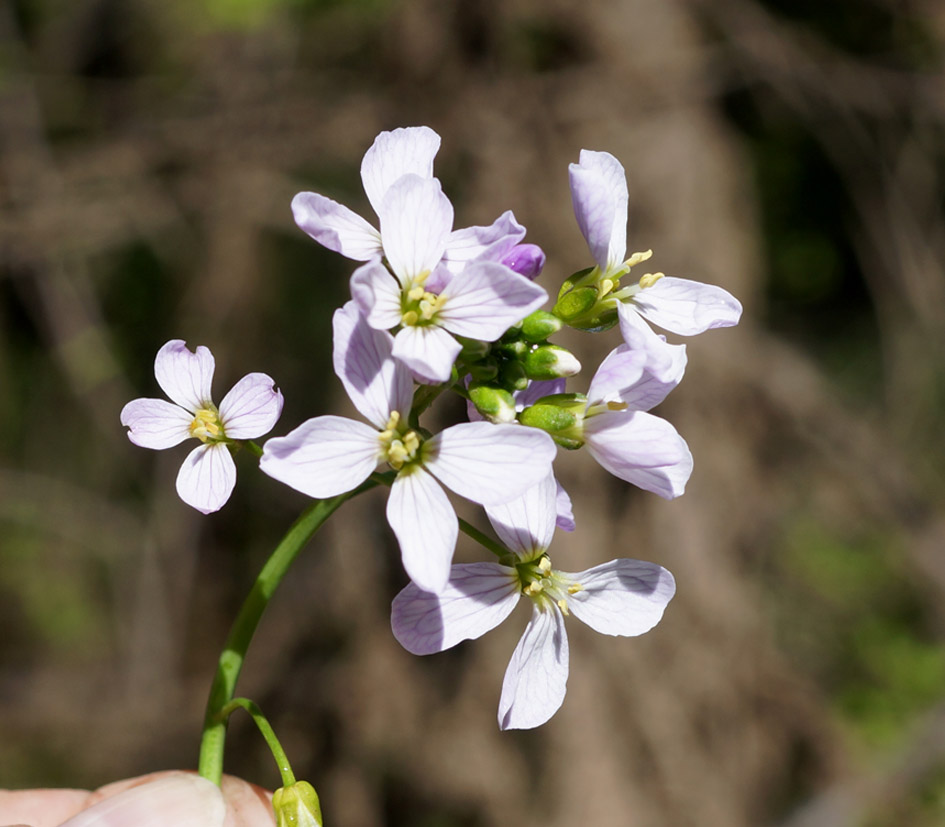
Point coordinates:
[[636, 258], [649, 279], [206, 425], [409, 318]]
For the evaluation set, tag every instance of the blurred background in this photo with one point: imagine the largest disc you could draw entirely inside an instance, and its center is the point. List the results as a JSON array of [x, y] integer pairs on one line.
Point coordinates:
[[792, 152]]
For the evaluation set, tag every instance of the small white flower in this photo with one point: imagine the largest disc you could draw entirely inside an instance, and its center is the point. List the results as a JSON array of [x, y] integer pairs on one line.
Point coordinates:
[[622, 597], [249, 410]]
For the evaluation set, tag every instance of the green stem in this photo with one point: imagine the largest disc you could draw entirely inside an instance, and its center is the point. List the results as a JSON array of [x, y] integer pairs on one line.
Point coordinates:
[[267, 732], [483, 540], [210, 765]]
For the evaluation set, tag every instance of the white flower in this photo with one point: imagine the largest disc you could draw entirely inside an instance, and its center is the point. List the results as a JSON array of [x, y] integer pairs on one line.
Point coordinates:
[[249, 410], [622, 597]]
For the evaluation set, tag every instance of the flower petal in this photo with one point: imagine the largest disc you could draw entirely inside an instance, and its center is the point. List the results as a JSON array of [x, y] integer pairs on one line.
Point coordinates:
[[687, 307], [599, 196], [489, 464], [206, 479], [641, 449], [395, 154], [664, 362], [486, 299], [324, 456], [622, 597], [477, 598], [416, 218], [428, 351], [377, 294], [491, 243], [156, 423], [252, 407], [526, 524], [184, 376], [622, 368], [374, 380], [525, 259], [536, 679], [336, 227], [426, 527], [536, 390], [565, 515]]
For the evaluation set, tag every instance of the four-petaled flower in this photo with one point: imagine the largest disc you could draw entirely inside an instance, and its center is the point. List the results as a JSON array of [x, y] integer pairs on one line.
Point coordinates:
[[621, 597], [249, 410]]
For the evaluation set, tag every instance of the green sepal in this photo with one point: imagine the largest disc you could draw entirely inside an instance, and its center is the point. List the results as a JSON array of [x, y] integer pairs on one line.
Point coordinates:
[[512, 376], [484, 371], [473, 350], [297, 806], [539, 326], [574, 304], [550, 362], [495, 404], [561, 415], [578, 279]]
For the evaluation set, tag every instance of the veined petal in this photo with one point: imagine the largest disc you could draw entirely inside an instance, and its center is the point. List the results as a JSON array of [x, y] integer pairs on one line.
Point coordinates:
[[477, 598], [395, 154], [374, 380], [252, 407], [489, 464], [416, 219], [536, 679], [491, 243], [621, 369], [664, 362], [181, 799], [156, 423], [324, 456], [429, 352], [184, 376], [206, 479], [640, 448], [536, 390], [336, 227], [426, 527], [622, 597], [486, 299], [565, 515], [599, 196], [687, 307], [377, 295], [527, 523]]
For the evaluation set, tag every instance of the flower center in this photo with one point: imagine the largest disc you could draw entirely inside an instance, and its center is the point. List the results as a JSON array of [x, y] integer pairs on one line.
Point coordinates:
[[544, 585], [419, 306], [207, 426], [399, 446]]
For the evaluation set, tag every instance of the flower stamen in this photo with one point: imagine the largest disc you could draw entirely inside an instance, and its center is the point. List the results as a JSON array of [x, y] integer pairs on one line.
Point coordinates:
[[206, 425]]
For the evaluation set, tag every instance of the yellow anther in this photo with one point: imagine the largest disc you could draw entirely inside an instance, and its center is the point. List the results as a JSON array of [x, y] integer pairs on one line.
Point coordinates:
[[544, 566], [563, 605], [392, 422], [636, 258], [574, 588], [427, 308], [532, 589], [414, 294], [421, 278], [410, 318], [397, 455], [650, 279], [606, 285], [206, 425], [617, 406]]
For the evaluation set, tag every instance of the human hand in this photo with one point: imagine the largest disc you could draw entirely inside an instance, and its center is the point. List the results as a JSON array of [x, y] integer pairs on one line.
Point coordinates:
[[163, 799]]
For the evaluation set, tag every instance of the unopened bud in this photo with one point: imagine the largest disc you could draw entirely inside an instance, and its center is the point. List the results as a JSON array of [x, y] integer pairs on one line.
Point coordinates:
[[495, 404], [539, 326], [550, 362], [526, 259], [484, 371], [561, 415], [512, 376], [473, 350], [297, 806]]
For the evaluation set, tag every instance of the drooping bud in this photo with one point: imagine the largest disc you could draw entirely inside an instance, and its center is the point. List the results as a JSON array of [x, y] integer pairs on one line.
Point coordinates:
[[297, 806], [495, 404], [539, 326], [526, 259], [550, 362], [561, 415]]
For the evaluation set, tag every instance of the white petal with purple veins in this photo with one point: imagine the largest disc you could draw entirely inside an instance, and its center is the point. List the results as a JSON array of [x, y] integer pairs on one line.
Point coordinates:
[[477, 598], [324, 456], [665, 362], [426, 527], [621, 369], [622, 597], [489, 464], [395, 154], [536, 679], [687, 307], [377, 295], [526, 524], [251, 408], [336, 227], [207, 477], [599, 197], [640, 448], [429, 352], [184, 376], [486, 299], [156, 423], [491, 243], [565, 515], [374, 380], [416, 219]]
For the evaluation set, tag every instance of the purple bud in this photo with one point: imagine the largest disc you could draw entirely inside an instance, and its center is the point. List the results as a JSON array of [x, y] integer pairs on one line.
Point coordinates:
[[526, 259]]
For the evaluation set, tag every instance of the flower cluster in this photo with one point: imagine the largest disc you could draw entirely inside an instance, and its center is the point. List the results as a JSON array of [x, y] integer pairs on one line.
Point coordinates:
[[435, 309]]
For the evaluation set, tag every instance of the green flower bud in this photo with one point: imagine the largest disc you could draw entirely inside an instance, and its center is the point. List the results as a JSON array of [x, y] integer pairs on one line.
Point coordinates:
[[512, 376], [473, 350], [484, 371], [561, 415], [514, 350], [550, 362], [539, 326], [575, 304], [297, 806], [495, 404]]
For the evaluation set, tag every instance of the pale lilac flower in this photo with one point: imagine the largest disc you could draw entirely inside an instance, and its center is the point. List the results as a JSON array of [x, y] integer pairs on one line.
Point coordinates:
[[599, 196], [330, 455], [423, 298], [527, 259], [622, 598], [249, 410]]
